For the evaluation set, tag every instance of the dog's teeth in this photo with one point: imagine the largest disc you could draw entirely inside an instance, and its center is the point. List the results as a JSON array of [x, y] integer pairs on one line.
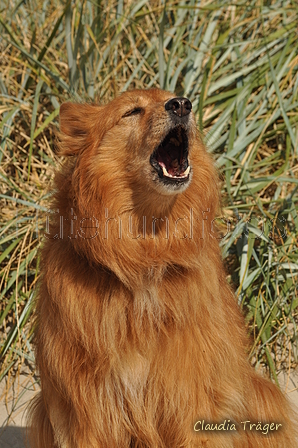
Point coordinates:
[[165, 173], [186, 172]]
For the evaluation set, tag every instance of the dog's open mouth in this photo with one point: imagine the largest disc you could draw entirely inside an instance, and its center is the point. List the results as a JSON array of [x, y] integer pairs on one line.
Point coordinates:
[[170, 158]]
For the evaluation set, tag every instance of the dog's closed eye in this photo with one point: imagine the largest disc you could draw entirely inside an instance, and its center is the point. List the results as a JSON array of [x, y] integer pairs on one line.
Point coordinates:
[[135, 111]]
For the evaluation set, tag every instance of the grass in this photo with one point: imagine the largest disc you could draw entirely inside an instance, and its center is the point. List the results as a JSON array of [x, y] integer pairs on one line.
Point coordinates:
[[237, 63]]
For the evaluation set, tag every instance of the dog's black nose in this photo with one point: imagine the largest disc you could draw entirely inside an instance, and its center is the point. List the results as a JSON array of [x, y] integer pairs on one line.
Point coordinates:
[[180, 106]]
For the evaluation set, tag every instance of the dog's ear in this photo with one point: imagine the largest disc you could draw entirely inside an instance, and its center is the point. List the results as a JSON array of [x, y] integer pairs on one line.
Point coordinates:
[[76, 124]]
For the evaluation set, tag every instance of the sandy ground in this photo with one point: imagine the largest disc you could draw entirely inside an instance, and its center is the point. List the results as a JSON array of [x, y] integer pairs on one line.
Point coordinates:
[[12, 411], [13, 405]]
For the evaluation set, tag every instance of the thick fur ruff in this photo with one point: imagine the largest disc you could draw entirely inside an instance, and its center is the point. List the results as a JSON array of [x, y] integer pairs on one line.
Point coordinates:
[[139, 340]]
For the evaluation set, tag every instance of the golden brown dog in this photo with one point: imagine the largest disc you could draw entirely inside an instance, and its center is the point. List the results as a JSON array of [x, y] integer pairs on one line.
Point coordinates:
[[139, 339]]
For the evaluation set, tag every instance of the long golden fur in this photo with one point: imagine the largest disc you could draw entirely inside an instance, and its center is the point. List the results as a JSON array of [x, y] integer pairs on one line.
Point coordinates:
[[139, 338]]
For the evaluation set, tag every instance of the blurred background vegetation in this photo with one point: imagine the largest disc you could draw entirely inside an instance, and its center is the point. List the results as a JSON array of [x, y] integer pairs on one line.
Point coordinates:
[[236, 61]]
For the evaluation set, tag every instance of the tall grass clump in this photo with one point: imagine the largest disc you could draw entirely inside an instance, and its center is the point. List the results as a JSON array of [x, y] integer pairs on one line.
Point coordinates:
[[238, 64]]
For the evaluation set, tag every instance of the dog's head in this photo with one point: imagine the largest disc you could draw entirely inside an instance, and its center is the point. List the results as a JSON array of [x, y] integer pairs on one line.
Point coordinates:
[[145, 136], [138, 172]]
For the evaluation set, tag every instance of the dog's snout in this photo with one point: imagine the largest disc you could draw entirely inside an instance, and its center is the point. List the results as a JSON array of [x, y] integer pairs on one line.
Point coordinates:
[[179, 106]]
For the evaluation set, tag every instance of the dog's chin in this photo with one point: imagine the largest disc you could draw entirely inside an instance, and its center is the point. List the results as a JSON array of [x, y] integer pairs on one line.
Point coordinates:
[[169, 187], [171, 168]]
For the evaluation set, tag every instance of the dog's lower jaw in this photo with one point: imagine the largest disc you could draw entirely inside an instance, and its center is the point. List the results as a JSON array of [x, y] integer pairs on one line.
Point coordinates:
[[167, 186]]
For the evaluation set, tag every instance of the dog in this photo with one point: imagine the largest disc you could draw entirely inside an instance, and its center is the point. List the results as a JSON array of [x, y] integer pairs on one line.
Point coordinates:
[[139, 339]]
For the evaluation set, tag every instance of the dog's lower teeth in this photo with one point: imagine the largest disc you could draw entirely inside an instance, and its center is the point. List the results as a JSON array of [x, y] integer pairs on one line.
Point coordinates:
[[166, 174], [186, 172]]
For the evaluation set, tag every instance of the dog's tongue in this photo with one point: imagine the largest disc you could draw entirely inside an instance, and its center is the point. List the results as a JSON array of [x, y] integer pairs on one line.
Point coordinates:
[[169, 162], [175, 172]]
